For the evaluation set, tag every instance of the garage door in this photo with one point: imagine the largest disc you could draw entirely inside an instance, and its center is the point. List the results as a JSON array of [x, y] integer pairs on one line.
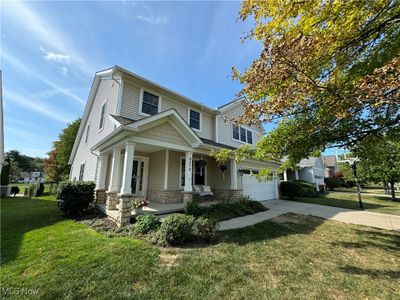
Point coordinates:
[[259, 191]]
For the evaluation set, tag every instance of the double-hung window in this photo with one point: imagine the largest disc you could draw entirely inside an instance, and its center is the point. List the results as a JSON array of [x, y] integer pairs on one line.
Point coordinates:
[[81, 171], [150, 103], [102, 116], [87, 134], [242, 134], [194, 119]]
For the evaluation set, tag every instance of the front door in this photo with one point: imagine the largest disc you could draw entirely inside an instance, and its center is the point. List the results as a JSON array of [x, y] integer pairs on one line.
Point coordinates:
[[138, 177]]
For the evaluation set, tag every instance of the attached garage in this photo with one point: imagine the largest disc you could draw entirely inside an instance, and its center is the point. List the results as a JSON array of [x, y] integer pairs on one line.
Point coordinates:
[[256, 190]]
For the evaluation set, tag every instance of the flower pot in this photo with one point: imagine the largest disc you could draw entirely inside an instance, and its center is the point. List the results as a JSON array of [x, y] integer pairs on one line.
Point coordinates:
[[137, 211]]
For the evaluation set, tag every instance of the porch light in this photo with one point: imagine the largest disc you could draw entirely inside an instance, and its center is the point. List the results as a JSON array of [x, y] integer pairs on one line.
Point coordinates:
[[202, 164]]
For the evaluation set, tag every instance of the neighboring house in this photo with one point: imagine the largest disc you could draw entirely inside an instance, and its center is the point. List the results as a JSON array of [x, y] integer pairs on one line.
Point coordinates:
[[310, 169], [137, 137], [26, 177], [331, 165]]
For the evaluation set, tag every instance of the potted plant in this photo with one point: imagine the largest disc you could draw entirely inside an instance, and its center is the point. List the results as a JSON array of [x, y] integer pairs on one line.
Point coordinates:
[[137, 205], [222, 157]]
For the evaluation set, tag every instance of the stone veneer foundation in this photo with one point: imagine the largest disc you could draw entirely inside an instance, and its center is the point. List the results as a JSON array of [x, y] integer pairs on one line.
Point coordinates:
[[221, 194], [124, 210], [174, 196], [100, 196], [112, 200]]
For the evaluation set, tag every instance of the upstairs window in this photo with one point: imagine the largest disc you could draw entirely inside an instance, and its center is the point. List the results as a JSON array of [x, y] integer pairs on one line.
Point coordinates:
[[102, 116], [194, 119], [242, 134], [150, 103], [81, 171], [87, 134]]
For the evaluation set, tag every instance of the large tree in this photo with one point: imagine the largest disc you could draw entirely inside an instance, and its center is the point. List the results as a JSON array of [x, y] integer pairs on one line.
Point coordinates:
[[328, 74], [380, 160], [24, 162], [56, 165]]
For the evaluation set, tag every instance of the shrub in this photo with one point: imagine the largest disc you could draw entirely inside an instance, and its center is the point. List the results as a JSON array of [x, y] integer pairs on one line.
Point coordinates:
[[332, 183], [14, 190], [40, 190], [290, 189], [74, 197], [307, 189], [146, 223], [205, 230], [5, 175], [193, 208], [176, 229]]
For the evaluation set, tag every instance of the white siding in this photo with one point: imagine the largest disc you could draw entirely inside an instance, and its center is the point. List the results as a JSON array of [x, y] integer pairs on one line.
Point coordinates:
[[107, 91], [130, 101]]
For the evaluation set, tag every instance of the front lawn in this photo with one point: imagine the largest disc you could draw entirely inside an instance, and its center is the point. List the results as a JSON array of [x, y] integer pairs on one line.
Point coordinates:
[[350, 200], [289, 257]]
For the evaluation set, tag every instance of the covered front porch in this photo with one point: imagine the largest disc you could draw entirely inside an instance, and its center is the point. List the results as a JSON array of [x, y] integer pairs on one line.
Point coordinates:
[[160, 164]]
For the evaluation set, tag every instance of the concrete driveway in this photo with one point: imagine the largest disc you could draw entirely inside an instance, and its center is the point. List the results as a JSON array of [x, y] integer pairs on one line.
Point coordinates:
[[278, 207]]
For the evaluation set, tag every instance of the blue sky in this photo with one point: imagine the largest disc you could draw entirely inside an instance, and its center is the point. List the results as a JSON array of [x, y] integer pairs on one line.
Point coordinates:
[[51, 50]]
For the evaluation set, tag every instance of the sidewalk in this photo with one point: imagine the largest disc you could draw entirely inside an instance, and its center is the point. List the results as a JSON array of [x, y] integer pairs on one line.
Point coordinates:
[[278, 207]]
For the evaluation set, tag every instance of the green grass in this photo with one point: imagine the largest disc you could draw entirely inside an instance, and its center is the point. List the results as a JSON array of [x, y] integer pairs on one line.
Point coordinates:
[[350, 200], [291, 257], [22, 187]]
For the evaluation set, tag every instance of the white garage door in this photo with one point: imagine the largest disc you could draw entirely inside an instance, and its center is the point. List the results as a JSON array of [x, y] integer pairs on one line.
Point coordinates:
[[259, 191]]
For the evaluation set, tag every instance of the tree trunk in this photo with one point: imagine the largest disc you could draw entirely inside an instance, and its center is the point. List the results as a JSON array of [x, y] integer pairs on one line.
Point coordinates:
[[385, 187], [393, 193]]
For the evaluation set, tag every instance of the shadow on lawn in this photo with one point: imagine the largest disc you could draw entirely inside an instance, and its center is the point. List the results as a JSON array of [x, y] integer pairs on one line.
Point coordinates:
[[374, 273], [282, 225], [388, 241], [21, 215]]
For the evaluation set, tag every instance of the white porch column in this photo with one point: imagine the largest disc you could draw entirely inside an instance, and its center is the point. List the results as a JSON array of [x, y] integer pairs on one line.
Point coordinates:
[[188, 172], [166, 167], [101, 177], [115, 165], [285, 175], [127, 172], [297, 174], [234, 183]]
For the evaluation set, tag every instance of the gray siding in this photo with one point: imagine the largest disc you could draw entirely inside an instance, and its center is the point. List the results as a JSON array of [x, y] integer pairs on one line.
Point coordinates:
[[225, 127]]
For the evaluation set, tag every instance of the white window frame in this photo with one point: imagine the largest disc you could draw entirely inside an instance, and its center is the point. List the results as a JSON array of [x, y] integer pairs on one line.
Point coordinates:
[[239, 140], [87, 131], [80, 169], [193, 172], [104, 117], [141, 101], [200, 120]]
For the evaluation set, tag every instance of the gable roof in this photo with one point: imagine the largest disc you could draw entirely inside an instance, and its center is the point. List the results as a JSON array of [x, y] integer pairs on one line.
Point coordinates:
[[330, 161], [309, 162], [171, 115]]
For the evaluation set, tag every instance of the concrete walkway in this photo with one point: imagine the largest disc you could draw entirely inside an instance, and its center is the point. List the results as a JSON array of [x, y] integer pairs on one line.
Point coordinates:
[[279, 207]]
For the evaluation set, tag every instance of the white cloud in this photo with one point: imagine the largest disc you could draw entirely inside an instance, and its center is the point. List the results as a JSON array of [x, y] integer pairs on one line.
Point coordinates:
[[64, 71], [57, 57], [14, 62], [156, 20], [36, 105], [47, 34]]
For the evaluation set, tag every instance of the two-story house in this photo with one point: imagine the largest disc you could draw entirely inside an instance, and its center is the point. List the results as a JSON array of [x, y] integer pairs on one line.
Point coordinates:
[[139, 139]]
